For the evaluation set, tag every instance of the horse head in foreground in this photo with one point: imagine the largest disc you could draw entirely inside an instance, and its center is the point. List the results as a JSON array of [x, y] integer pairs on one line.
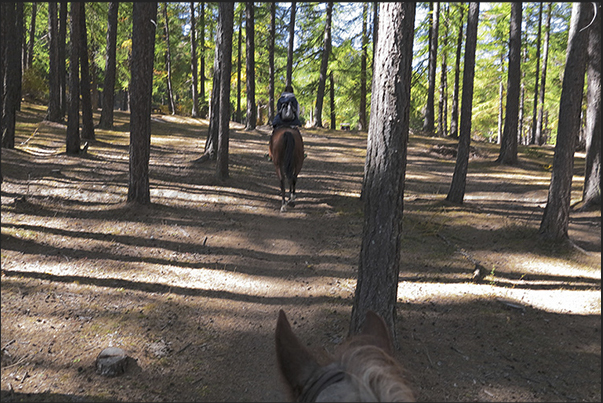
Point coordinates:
[[362, 370], [286, 149]]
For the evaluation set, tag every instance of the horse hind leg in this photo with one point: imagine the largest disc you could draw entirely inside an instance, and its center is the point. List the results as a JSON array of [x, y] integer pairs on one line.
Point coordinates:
[[284, 196], [292, 192]]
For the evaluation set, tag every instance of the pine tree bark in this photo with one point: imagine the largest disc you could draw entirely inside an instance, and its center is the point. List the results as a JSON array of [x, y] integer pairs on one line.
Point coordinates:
[[194, 93], [555, 221], [508, 144], [535, 111], [239, 114], [87, 121], [591, 195], [290, 47], [324, 64], [168, 60], [434, 19], [456, 194], [54, 89], [106, 118], [538, 136], [11, 75], [225, 26], [251, 120], [364, 56], [202, 59], [144, 16], [443, 101], [73, 140], [63, 56], [454, 114], [385, 168], [271, 39]]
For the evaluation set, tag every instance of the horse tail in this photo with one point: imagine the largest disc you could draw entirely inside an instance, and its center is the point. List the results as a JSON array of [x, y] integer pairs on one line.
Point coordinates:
[[289, 141]]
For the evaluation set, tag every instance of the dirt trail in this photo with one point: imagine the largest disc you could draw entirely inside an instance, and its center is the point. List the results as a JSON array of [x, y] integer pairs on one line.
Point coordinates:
[[190, 286]]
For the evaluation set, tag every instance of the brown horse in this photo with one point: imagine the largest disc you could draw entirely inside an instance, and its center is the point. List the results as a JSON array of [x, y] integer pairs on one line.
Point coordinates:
[[363, 369], [286, 149]]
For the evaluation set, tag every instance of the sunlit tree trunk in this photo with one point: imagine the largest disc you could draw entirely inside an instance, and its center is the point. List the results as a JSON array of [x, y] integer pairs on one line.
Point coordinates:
[[508, 144], [443, 102], [538, 137], [332, 91], [456, 194], [324, 64], [106, 118], [54, 88], [454, 114], [555, 220], [535, 111], [434, 19], [271, 40], [363, 60], [87, 122], [385, 168], [194, 93], [225, 26], [290, 47], [144, 22], [168, 60], [73, 114], [591, 195], [239, 114], [250, 66]]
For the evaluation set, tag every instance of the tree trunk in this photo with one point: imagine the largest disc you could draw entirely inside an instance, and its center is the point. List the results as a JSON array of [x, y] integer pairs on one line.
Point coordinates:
[[225, 26], [250, 66], [508, 145], [63, 56], [456, 194], [324, 64], [364, 56], [555, 221], [194, 94], [385, 168], [443, 102], [535, 111], [375, 30], [332, 90], [591, 195], [168, 60], [271, 39], [106, 118], [54, 87], [144, 16], [239, 115], [73, 114], [32, 35], [434, 19], [87, 122], [454, 114], [202, 57], [501, 90], [539, 124], [290, 47], [11, 75]]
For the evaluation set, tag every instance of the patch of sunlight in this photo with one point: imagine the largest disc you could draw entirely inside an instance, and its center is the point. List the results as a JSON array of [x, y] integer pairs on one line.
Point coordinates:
[[577, 302], [227, 280], [562, 269], [222, 195]]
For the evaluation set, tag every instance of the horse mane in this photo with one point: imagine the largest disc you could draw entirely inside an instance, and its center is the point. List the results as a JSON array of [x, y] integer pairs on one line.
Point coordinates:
[[376, 374]]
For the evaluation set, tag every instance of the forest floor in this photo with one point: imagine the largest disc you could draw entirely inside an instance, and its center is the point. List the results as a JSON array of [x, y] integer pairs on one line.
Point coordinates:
[[191, 285]]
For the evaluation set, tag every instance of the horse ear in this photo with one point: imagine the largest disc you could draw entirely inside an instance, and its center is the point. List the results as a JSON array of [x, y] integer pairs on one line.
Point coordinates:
[[375, 326], [295, 362]]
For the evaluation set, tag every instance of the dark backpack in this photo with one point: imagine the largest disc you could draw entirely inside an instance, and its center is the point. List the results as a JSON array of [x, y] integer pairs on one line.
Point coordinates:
[[287, 112]]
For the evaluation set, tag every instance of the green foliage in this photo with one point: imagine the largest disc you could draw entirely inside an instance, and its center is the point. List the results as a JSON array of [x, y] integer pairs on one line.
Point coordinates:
[[344, 61]]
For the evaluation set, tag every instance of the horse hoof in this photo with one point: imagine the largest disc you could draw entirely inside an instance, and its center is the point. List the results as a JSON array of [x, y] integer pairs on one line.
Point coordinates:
[[291, 203], [283, 208]]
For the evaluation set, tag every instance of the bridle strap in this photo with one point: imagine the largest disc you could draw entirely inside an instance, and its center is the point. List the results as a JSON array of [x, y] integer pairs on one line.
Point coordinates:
[[328, 376]]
